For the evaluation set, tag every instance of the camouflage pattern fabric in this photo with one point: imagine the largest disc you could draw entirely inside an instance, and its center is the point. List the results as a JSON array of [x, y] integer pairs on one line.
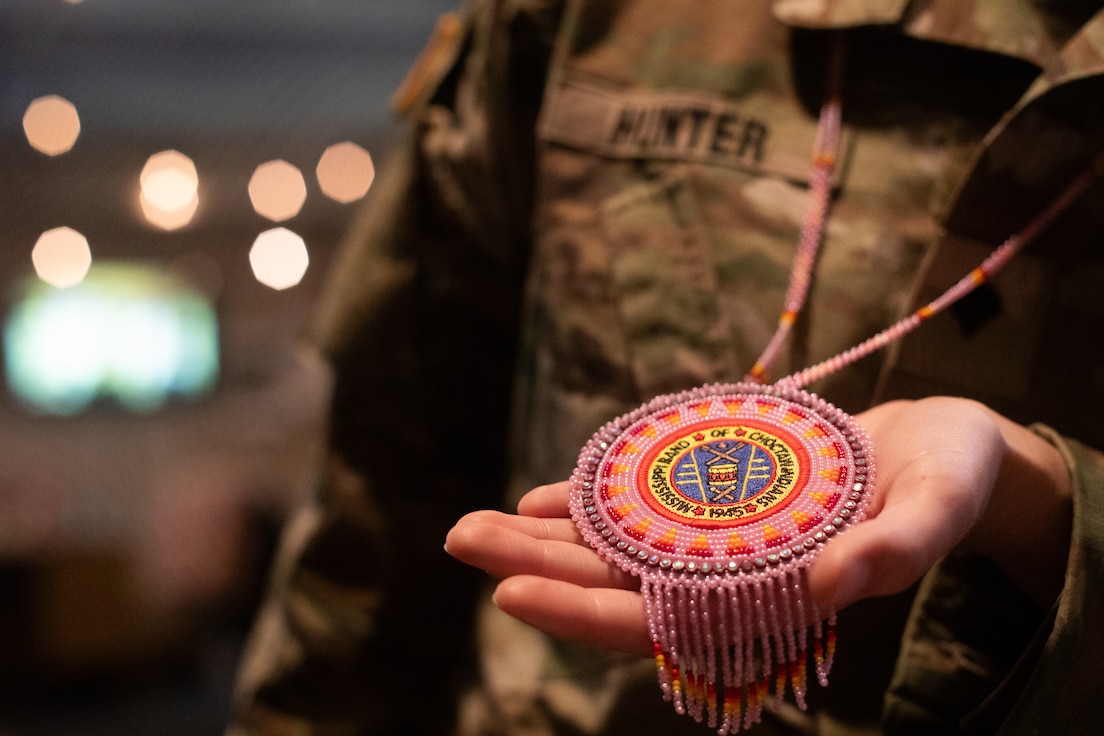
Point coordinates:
[[599, 201]]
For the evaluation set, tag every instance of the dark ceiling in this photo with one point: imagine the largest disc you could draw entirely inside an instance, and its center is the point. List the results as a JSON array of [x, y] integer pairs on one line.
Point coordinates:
[[262, 66]]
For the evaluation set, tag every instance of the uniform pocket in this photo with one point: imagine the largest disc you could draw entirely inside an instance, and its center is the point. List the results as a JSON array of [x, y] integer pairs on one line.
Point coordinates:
[[663, 273]]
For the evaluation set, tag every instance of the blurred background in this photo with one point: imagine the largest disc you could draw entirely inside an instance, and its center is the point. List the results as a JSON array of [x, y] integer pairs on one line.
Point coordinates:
[[175, 179]]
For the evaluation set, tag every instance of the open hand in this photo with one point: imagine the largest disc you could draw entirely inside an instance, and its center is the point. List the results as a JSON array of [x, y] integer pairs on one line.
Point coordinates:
[[950, 473]]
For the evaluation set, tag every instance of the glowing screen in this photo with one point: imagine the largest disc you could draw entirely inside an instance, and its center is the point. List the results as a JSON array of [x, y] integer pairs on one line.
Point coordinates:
[[127, 332]]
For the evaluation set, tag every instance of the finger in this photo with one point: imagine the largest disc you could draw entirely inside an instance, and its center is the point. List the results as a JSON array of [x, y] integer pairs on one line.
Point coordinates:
[[607, 618], [505, 545], [546, 501], [547, 528]]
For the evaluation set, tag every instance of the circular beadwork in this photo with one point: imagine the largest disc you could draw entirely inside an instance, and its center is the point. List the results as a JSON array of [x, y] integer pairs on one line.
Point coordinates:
[[727, 479]]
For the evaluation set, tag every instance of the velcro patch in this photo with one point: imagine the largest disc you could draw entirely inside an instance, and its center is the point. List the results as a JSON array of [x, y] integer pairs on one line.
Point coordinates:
[[678, 125]]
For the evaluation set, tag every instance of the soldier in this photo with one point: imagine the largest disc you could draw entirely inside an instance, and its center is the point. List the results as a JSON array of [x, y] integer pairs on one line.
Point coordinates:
[[600, 202]]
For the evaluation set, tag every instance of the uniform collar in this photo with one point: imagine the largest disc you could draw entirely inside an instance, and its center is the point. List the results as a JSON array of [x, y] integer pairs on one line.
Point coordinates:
[[1026, 29], [1082, 56]]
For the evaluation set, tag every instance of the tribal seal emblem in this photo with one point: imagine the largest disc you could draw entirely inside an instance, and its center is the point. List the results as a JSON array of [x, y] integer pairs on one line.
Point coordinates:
[[722, 472]]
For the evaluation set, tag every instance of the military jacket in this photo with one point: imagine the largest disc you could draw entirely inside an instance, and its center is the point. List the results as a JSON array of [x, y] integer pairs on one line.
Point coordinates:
[[600, 201]]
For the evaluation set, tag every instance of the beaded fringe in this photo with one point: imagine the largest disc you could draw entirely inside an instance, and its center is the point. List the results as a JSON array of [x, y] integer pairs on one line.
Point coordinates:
[[727, 649]]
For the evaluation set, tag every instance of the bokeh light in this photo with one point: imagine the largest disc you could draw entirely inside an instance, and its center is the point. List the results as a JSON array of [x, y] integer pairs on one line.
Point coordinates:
[[168, 219], [277, 190], [61, 257], [51, 124], [345, 172], [279, 258], [127, 332], [169, 190]]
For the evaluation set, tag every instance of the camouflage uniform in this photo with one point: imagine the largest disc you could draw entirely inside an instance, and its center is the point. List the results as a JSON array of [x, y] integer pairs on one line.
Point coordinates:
[[506, 293]]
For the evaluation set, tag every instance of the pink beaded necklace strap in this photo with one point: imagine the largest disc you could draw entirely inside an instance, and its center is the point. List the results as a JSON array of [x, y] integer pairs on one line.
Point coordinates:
[[996, 260], [825, 155]]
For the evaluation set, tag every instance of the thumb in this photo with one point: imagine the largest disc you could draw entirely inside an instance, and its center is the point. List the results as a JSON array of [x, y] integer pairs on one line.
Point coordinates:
[[863, 562], [889, 552]]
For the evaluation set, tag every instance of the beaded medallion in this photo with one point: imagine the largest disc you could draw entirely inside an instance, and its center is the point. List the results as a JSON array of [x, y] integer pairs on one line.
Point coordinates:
[[717, 499]]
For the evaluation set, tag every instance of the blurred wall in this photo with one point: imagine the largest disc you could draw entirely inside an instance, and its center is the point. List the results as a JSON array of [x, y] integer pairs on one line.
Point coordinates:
[[113, 523]]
